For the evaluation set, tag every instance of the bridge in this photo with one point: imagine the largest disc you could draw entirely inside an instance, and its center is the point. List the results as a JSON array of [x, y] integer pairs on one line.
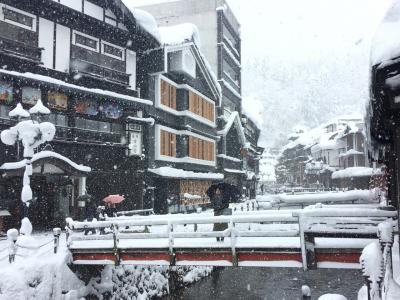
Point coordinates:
[[311, 238]]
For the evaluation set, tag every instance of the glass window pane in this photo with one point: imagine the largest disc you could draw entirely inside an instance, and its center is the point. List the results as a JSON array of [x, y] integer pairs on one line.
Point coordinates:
[[80, 123], [92, 125], [104, 126]]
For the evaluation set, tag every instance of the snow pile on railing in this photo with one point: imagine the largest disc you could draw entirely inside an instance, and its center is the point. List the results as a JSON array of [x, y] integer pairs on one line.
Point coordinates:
[[356, 172]]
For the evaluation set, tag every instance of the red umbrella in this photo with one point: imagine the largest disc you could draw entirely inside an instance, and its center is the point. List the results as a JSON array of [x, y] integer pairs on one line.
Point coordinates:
[[114, 199]]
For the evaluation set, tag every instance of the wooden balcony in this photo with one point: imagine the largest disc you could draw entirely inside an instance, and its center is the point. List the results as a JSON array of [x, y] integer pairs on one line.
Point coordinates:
[[20, 50], [86, 68]]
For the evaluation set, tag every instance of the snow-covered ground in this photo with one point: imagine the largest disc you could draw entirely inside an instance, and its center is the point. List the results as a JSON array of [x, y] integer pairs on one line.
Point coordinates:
[[41, 274]]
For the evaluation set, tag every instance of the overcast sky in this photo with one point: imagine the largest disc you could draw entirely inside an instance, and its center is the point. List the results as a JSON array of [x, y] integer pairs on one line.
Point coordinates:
[[304, 61]]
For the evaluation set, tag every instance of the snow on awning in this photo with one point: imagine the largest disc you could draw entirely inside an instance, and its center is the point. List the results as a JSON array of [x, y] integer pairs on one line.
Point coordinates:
[[4, 213], [234, 119], [356, 172], [179, 173], [54, 161], [351, 152], [142, 120], [235, 171], [57, 82]]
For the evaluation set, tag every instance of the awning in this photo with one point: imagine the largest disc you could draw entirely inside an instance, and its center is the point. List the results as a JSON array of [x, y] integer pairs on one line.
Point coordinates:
[[170, 172], [46, 163]]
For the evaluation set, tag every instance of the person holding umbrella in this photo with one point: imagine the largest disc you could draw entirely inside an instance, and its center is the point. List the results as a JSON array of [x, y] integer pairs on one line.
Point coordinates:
[[219, 197], [111, 201]]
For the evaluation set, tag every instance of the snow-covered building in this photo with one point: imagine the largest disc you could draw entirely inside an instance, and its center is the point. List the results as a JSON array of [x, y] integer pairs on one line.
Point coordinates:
[[220, 40], [80, 58], [182, 162], [383, 111], [320, 151]]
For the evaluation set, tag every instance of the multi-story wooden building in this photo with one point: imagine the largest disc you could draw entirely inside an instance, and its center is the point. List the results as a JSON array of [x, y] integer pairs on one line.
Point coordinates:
[[183, 141], [79, 58]]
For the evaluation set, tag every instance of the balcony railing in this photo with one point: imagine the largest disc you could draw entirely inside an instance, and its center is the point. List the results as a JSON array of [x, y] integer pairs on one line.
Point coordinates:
[[96, 71], [20, 50]]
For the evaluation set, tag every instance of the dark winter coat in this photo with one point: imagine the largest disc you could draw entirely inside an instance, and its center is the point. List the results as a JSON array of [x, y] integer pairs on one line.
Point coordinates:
[[110, 211], [90, 211]]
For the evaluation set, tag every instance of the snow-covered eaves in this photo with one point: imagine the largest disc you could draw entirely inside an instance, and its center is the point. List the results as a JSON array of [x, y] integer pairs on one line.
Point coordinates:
[[42, 155], [234, 171], [351, 152], [142, 120], [386, 41], [60, 83], [180, 173], [234, 118], [356, 172], [229, 157], [179, 34]]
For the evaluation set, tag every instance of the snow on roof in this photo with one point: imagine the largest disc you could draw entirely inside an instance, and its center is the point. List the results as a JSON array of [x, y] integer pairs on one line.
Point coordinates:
[[144, 19], [356, 172], [253, 108], [179, 34], [234, 118], [386, 41], [179, 173], [44, 154], [351, 152], [51, 80]]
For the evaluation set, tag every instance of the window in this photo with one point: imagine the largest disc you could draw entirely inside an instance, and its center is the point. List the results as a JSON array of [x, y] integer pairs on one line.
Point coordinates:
[[58, 120], [200, 106], [113, 51], [168, 94], [201, 149], [18, 17], [4, 110], [168, 143], [85, 41], [98, 126]]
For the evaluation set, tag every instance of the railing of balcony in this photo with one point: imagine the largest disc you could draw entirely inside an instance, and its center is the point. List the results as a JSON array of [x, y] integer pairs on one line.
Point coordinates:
[[97, 71], [20, 50]]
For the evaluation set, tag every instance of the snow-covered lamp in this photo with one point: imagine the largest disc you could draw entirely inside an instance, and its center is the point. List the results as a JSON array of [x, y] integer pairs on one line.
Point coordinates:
[[19, 112], [38, 110]]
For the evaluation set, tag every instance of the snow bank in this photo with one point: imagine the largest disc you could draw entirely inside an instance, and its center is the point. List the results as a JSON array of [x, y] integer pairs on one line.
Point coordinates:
[[332, 297], [356, 172], [179, 173], [180, 34]]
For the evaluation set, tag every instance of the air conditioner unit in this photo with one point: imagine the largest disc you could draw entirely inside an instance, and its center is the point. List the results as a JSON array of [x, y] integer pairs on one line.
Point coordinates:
[[183, 61]]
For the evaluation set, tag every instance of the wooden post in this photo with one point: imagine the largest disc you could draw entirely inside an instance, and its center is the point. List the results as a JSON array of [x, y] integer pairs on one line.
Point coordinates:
[[302, 242], [114, 229], [56, 234], [309, 240]]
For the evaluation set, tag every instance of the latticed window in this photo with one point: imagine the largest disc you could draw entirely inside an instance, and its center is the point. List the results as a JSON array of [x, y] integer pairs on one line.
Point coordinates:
[[168, 94], [201, 149], [199, 106], [167, 143]]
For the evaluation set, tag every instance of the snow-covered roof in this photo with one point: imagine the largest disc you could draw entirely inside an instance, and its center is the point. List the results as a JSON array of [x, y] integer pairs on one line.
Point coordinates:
[[144, 19], [100, 92], [179, 173], [41, 155], [386, 41], [179, 34], [234, 118], [139, 119], [356, 172]]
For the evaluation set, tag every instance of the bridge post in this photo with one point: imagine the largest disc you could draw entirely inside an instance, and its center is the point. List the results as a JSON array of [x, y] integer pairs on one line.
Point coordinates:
[[302, 241], [305, 292], [114, 229], [170, 229], [12, 236], [309, 240]]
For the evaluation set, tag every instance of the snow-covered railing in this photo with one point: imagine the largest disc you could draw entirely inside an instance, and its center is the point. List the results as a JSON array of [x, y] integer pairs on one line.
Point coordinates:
[[142, 212], [13, 235], [376, 262], [116, 235]]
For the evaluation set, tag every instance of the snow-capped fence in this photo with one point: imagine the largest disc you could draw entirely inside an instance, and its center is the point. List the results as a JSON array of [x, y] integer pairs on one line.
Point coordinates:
[[29, 244], [169, 241], [376, 262]]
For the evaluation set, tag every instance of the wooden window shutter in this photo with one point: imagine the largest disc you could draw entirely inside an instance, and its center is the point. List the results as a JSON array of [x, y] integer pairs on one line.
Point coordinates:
[[164, 93], [173, 145], [173, 104]]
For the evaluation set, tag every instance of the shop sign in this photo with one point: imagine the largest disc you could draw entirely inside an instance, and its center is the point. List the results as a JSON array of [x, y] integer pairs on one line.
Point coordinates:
[[87, 107], [31, 95], [112, 110], [135, 143], [57, 100], [6, 92]]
